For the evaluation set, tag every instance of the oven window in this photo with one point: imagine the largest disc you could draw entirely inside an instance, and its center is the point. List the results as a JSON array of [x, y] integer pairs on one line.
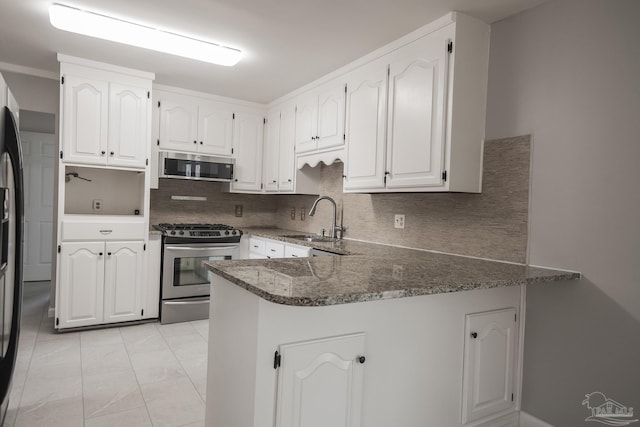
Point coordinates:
[[189, 271]]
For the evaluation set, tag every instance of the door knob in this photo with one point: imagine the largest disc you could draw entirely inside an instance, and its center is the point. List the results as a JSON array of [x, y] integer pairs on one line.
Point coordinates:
[[361, 359], [474, 335]]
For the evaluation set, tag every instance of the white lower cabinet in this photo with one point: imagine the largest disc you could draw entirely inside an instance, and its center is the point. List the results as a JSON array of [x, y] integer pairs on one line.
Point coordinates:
[[489, 364], [320, 382], [260, 248], [100, 282]]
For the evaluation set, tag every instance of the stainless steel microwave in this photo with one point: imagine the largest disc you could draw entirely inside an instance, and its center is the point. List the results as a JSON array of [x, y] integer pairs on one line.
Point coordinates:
[[196, 166]]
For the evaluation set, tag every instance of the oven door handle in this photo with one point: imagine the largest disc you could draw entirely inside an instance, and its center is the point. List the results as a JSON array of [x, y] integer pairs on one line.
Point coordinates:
[[206, 301], [191, 248]]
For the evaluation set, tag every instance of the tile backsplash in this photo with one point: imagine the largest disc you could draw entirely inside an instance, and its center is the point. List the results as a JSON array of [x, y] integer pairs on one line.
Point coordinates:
[[492, 224]]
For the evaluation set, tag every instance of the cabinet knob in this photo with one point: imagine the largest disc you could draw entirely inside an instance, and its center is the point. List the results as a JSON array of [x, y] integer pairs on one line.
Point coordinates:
[[274, 181], [474, 335], [103, 153], [109, 253], [195, 142], [112, 153], [361, 359], [200, 142], [100, 253], [289, 180]]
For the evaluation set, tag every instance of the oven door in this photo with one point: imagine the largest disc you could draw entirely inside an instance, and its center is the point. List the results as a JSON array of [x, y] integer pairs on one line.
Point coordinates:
[[183, 274]]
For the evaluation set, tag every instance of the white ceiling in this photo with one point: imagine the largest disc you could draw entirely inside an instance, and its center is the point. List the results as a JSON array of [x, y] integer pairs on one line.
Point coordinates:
[[287, 43]]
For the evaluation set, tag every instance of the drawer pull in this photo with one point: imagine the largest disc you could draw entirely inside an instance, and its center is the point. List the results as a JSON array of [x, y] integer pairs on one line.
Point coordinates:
[[106, 231]]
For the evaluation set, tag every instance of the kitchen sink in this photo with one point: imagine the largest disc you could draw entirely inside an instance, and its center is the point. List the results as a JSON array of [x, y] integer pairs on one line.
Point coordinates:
[[310, 238]]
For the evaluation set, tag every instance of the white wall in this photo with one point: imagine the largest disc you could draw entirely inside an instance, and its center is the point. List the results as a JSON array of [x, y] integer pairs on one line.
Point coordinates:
[[34, 93], [568, 72]]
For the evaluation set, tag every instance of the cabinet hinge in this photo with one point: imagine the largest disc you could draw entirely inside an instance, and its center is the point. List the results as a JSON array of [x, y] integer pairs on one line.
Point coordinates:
[[57, 321], [345, 88], [59, 248], [444, 176], [450, 46], [232, 151], [344, 136], [261, 186], [62, 80], [233, 116], [144, 247], [277, 360], [388, 70], [61, 155], [512, 397], [142, 312], [158, 142], [147, 162], [158, 104], [515, 317], [264, 121], [148, 95]]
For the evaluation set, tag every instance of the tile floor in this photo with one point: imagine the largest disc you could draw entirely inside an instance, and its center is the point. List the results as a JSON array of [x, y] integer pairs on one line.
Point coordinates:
[[142, 375]]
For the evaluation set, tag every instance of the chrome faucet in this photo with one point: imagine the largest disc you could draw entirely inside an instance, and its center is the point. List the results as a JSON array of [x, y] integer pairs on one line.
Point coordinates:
[[334, 225]]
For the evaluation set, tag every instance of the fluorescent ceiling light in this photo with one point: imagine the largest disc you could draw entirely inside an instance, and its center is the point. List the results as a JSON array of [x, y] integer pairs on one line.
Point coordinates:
[[108, 28]]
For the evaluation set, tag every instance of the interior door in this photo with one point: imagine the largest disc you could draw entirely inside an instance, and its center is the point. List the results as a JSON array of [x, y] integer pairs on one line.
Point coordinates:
[[39, 150]]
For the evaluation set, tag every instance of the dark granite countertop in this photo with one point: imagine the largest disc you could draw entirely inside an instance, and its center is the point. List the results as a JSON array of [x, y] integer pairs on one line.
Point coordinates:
[[369, 272]]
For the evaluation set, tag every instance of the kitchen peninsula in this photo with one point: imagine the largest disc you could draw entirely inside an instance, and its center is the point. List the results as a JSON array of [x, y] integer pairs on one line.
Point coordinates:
[[379, 336]]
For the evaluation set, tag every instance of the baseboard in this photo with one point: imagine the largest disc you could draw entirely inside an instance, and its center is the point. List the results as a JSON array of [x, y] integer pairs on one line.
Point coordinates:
[[508, 420], [527, 420]]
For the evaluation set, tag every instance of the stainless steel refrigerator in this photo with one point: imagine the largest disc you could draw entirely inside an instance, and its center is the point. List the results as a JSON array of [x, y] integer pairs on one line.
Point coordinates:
[[11, 244]]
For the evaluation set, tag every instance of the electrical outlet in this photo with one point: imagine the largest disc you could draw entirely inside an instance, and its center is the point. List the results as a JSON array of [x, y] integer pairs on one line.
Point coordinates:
[[396, 273], [398, 221], [96, 205], [293, 214], [238, 210], [302, 214]]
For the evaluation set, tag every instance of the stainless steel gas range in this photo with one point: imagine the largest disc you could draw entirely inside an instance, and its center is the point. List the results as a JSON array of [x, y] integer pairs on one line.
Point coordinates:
[[185, 290]]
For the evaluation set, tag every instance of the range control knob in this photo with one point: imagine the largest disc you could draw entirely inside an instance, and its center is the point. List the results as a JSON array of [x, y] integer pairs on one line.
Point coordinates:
[[172, 232], [226, 232], [233, 232], [180, 232]]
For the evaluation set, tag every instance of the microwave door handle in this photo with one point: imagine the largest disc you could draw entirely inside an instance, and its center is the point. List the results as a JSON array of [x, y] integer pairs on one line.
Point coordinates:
[[191, 248]]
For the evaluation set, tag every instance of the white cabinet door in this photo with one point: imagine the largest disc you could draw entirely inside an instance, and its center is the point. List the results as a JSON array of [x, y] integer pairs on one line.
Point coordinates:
[[306, 123], [415, 132], [365, 128], [287, 157], [295, 251], [123, 281], [80, 290], [272, 151], [489, 363], [320, 383], [128, 124], [178, 125], [85, 120], [331, 117], [248, 136], [215, 129]]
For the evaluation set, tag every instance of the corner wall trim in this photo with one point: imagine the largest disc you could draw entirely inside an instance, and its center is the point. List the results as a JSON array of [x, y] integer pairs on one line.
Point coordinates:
[[527, 420]]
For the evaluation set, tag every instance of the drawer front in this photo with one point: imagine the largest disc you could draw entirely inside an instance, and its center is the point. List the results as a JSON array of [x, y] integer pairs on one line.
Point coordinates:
[[257, 247], [293, 251], [102, 231], [274, 249]]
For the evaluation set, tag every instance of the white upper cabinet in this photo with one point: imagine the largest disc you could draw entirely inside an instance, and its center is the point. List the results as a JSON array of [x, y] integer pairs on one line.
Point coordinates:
[[320, 119], [366, 128], [193, 125], [128, 119], [415, 124], [106, 116], [178, 125], [215, 129], [415, 116], [279, 151], [85, 117], [248, 136]]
